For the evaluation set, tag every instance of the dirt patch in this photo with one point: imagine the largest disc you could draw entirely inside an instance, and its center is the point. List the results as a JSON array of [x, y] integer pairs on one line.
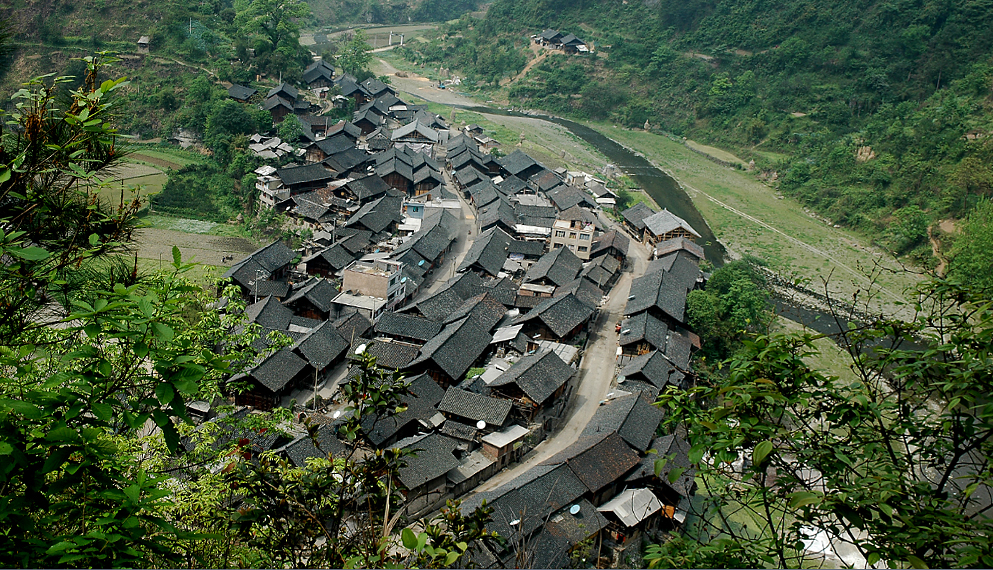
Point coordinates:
[[155, 161], [947, 226], [154, 243]]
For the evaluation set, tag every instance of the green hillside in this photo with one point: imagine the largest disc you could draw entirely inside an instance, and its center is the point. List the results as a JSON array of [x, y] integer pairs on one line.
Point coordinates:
[[875, 113]]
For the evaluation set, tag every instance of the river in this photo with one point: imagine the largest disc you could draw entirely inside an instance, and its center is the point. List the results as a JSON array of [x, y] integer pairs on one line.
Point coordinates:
[[662, 188]]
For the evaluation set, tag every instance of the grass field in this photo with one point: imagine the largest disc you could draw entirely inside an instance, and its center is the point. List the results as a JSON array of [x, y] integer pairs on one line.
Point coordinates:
[[752, 218]]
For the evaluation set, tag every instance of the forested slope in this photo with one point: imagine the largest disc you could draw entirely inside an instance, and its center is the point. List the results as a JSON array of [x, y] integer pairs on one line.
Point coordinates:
[[874, 112]]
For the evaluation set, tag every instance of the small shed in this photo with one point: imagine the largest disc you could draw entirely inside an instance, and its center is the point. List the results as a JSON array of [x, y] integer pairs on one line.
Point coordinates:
[[143, 42]]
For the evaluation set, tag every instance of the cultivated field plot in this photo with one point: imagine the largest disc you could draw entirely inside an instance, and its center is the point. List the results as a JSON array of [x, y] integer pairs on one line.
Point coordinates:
[[155, 244]]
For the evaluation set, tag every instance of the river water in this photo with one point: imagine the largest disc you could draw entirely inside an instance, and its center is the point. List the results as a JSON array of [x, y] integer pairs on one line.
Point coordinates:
[[666, 192]]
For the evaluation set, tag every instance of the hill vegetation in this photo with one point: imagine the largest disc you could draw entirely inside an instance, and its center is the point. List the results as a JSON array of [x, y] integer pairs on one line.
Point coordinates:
[[874, 113]]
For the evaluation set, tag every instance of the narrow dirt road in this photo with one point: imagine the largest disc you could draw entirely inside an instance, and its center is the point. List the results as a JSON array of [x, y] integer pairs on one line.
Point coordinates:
[[596, 375]]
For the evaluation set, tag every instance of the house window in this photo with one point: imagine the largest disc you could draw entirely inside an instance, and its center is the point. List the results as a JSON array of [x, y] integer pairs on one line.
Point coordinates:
[[559, 233], [584, 237], [556, 245], [583, 248], [572, 247], [572, 235]]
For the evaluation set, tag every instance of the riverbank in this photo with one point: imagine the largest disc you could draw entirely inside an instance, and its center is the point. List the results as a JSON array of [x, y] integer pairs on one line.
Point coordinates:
[[746, 216]]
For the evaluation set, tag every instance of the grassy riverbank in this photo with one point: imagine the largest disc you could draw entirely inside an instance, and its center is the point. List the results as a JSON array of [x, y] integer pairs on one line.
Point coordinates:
[[751, 218]]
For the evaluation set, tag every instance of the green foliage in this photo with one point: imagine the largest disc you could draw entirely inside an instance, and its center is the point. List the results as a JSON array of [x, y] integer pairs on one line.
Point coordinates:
[[734, 303], [902, 450], [972, 249], [355, 56], [813, 82], [93, 401], [199, 191]]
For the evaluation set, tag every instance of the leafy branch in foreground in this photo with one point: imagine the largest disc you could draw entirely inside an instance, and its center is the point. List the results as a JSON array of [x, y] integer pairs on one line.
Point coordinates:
[[893, 466]]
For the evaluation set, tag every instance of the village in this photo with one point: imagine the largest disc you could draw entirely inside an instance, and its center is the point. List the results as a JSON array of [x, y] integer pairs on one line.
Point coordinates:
[[534, 331]]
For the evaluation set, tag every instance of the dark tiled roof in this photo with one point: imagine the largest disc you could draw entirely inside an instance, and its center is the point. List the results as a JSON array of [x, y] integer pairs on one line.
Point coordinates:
[[512, 185], [643, 327], [468, 176], [401, 325], [376, 87], [269, 313], [241, 92], [320, 292], [665, 221], [459, 430], [313, 174], [302, 448], [336, 256], [560, 314], [433, 458], [631, 416], [483, 309], [317, 70], [635, 215], [677, 349], [612, 239], [653, 367], [527, 302], [596, 275], [279, 369], [599, 459], [551, 546], [335, 144], [278, 289], [284, 89], [677, 451], [545, 180], [679, 244], [367, 188], [538, 375], [559, 266], [475, 407], [488, 252], [584, 290], [527, 248], [483, 193], [377, 215], [456, 347], [392, 355], [322, 345], [420, 406], [566, 197], [357, 241], [516, 162], [274, 101], [497, 212], [268, 258], [503, 290], [439, 305], [527, 210], [352, 326], [350, 159], [529, 498]]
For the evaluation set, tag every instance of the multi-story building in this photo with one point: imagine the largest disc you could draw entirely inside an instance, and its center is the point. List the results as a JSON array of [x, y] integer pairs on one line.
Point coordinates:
[[574, 228], [270, 186], [380, 278]]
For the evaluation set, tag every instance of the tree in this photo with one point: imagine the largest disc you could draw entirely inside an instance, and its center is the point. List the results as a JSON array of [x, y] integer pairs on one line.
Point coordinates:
[[51, 216], [93, 405], [278, 21], [893, 463], [290, 129], [970, 254], [355, 56]]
